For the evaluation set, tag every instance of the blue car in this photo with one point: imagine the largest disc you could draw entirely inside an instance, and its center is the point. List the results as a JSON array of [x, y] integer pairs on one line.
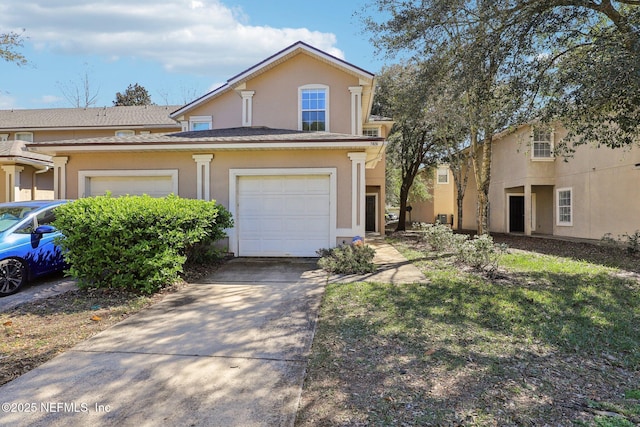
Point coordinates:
[[27, 248]]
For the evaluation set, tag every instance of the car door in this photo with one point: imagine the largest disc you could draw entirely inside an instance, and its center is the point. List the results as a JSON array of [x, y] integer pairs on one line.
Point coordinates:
[[40, 251]]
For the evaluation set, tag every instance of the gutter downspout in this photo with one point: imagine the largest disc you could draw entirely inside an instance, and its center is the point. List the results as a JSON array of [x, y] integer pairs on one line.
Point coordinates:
[[34, 186]]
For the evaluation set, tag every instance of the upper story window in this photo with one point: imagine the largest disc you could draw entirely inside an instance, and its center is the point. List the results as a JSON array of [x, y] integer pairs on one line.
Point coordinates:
[[442, 175], [314, 108], [200, 122], [370, 132], [24, 136], [564, 203], [542, 145], [125, 132]]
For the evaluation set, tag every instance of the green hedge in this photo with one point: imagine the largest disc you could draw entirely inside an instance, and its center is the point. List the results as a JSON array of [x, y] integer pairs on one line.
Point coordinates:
[[136, 243]]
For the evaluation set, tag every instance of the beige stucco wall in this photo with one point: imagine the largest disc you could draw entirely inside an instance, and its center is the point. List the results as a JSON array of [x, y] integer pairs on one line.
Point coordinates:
[[604, 184], [43, 189], [275, 102], [64, 134], [278, 160]]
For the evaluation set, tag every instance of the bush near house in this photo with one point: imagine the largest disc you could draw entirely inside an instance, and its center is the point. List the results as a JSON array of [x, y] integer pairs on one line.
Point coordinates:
[[479, 252], [136, 243], [347, 259]]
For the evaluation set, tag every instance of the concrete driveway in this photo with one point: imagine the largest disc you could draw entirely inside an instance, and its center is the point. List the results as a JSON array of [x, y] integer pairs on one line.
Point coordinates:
[[229, 351]]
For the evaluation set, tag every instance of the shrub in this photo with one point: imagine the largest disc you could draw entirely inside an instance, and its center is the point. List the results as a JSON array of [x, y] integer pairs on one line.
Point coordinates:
[[136, 243], [347, 259], [439, 236], [480, 252], [633, 242]]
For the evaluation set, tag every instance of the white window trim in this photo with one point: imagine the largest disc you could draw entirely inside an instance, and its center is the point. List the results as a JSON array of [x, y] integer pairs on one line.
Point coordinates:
[[551, 147], [571, 205], [15, 136], [369, 129], [200, 119], [235, 174], [442, 168], [88, 174], [125, 132], [327, 124]]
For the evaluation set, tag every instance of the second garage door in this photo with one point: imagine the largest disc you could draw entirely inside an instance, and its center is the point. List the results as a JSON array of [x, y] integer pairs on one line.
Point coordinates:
[[135, 184], [283, 215]]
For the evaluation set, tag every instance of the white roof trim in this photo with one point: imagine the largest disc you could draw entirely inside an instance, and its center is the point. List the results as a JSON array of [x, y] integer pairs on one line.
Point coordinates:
[[267, 63], [207, 146]]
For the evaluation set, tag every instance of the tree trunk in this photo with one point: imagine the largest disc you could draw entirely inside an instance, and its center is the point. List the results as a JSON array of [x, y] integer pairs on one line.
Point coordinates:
[[459, 219], [402, 215], [481, 157]]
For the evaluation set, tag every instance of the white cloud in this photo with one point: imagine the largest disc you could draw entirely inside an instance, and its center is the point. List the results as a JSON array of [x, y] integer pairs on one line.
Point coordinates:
[[187, 36], [6, 102], [50, 99]]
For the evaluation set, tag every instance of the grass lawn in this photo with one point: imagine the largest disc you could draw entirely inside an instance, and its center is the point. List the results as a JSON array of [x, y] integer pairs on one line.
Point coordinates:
[[545, 341]]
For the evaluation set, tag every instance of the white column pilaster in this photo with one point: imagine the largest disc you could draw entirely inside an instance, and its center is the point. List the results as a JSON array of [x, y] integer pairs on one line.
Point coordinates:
[[203, 165], [356, 109], [60, 178], [12, 182], [247, 107], [358, 192]]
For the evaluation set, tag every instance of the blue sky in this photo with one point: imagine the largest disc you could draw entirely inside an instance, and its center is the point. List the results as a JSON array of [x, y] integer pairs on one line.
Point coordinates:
[[177, 49]]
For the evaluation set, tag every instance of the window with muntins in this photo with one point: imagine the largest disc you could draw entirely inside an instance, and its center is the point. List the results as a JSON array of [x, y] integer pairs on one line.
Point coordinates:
[[443, 176], [542, 147], [565, 211], [370, 132], [314, 109]]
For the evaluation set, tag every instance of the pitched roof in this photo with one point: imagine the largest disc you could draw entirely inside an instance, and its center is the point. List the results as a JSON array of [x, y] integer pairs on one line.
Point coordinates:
[[104, 117], [258, 134], [271, 62], [16, 150]]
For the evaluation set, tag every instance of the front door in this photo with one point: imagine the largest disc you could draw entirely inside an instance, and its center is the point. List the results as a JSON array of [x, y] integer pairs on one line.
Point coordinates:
[[516, 214], [370, 213]]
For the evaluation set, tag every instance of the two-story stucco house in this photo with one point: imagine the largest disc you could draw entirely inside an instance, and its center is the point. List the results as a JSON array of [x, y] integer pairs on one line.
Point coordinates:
[[592, 193], [286, 145], [27, 175]]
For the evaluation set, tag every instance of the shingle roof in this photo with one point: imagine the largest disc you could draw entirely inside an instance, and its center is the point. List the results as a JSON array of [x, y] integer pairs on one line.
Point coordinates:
[[17, 149], [241, 134], [133, 116]]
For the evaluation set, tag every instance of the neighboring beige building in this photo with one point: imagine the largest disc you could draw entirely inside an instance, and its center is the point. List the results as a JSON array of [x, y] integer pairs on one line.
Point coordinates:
[[287, 146], [532, 192], [441, 205], [28, 175]]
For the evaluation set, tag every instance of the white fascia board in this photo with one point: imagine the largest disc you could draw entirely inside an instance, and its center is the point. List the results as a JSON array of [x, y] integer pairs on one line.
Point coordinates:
[[52, 149]]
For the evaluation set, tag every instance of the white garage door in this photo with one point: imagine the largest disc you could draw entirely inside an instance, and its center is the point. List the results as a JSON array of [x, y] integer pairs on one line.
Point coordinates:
[[283, 215], [154, 186]]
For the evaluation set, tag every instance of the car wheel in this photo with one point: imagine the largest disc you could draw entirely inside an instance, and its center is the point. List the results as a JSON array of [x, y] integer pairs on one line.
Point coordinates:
[[12, 276]]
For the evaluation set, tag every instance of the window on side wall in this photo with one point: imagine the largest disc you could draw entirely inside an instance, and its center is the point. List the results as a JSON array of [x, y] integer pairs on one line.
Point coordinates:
[[313, 108], [564, 203], [370, 132], [125, 132], [442, 175], [542, 144], [200, 123], [24, 136]]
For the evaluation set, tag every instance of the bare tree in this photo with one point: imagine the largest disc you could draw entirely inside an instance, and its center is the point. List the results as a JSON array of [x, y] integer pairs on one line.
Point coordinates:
[[79, 93]]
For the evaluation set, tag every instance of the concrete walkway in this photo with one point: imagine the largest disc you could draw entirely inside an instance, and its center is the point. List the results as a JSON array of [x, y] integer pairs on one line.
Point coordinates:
[[231, 350], [392, 267]]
